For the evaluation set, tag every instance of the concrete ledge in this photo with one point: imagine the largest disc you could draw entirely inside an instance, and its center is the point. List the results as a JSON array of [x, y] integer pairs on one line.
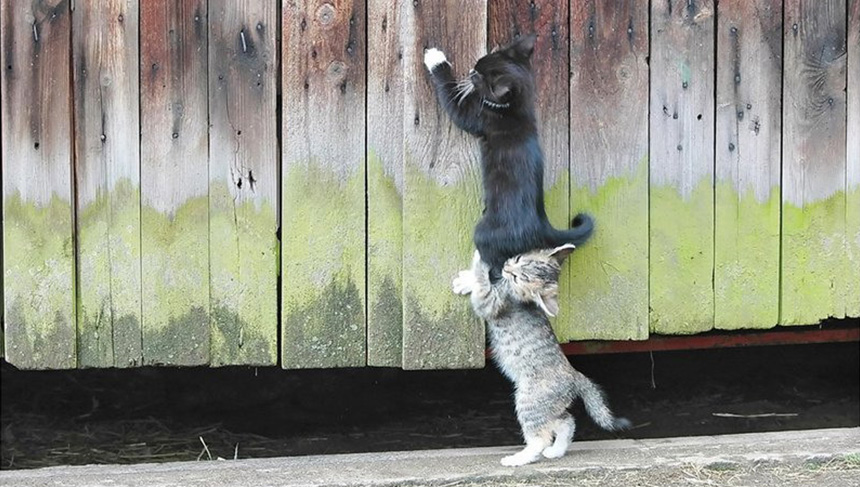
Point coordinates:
[[478, 466]]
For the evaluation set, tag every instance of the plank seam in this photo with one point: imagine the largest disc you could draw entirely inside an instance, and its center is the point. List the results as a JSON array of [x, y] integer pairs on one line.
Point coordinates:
[[781, 165], [714, 168], [366, 187], [279, 122], [648, 168], [140, 175], [74, 188]]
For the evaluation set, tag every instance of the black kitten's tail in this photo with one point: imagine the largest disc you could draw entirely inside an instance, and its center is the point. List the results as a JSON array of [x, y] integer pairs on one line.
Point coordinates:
[[581, 228]]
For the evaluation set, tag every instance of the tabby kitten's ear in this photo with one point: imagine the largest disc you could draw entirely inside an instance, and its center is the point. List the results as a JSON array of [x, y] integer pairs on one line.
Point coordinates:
[[523, 47], [561, 253], [548, 302]]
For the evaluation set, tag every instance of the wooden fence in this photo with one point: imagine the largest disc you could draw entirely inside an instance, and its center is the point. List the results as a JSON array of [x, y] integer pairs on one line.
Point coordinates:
[[255, 182]]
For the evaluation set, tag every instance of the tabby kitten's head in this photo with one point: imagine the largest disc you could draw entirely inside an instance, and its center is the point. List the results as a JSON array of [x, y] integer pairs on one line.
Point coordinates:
[[533, 276], [503, 79]]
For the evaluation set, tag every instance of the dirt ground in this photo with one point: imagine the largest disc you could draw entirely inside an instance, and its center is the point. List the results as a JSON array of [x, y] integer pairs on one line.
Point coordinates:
[[156, 415]]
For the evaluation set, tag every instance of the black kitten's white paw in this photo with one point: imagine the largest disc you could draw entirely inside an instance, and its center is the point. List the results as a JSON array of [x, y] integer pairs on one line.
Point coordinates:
[[434, 57]]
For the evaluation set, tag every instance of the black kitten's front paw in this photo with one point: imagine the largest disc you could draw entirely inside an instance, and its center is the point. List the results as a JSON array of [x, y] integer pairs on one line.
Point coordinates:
[[434, 57]]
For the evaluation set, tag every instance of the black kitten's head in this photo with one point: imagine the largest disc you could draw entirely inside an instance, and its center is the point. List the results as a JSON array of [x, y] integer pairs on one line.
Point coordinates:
[[504, 77]]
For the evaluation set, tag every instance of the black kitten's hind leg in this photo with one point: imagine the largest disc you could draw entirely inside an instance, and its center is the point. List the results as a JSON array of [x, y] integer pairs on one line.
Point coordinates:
[[458, 98], [581, 228]]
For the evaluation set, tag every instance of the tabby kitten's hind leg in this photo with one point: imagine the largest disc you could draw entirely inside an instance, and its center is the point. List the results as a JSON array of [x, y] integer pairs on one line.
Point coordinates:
[[531, 453], [564, 430]]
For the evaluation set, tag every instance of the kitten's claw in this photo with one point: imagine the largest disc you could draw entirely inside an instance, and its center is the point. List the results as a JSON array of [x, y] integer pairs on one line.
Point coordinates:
[[463, 282], [434, 57]]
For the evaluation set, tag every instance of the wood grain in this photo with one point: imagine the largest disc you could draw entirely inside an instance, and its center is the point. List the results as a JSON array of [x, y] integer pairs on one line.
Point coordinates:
[[174, 182], [852, 177], [441, 191], [107, 172], [609, 170], [243, 182], [682, 167], [814, 271], [323, 193], [748, 138], [38, 246], [385, 182]]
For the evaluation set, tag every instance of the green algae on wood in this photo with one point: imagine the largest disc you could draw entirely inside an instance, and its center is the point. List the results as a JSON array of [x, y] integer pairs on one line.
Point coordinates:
[[39, 281], [175, 263], [322, 269], [109, 310], [385, 275], [609, 283], [852, 179], [243, 183], [681, 260], [243, 275]]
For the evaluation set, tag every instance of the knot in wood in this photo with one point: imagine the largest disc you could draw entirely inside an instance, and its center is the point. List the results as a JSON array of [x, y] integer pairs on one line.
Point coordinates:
[[326, 14], [336, 72]]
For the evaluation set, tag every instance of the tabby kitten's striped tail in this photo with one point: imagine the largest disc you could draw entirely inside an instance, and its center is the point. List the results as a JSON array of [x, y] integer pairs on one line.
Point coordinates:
[[595, 404]]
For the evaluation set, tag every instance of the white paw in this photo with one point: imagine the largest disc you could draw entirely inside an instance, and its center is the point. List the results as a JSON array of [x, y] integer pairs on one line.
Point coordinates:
[[463, 283], [517, 460], [434, 57], [554, 452]]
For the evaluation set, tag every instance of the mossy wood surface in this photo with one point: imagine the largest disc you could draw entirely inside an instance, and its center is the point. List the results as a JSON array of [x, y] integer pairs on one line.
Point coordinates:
[[852, 177], [385, 119], [323, 190], [682, 167], [174, 183], [441, 192], [38, 245], [815, 271], [243, 182], [749, 128], [608, 297], [107, 172]]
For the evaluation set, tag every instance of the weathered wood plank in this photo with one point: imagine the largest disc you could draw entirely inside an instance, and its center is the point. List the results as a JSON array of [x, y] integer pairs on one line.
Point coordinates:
[[39, 283], [441, 195], [609, 169], [814, 274], [243, 182], [551, 64], [323, 249], [174, 183], [385, 182], [682, 167], [107, 172], [749, 129], [852, 179]]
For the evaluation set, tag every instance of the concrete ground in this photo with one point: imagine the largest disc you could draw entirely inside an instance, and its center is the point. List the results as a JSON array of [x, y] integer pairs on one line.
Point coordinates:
[[828, 457]]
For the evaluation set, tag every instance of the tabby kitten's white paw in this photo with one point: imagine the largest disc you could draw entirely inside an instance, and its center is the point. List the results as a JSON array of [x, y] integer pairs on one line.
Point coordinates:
[[434, 57], [518, 459], [554, 451], [464, 282]]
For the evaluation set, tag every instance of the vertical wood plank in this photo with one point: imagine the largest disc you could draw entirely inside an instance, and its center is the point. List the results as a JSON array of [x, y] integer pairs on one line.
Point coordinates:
[[748, 137], [107, 171], [852, 179], [609, 169], [174, 182], [507, 20], [441, 195], [814, 274], [39, 290], [323, 252], [682, 167], [385, 182], [243, 182]]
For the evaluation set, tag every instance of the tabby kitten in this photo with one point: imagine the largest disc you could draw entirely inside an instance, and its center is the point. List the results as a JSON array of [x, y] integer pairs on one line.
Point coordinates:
[[496, 103], [526, 350]]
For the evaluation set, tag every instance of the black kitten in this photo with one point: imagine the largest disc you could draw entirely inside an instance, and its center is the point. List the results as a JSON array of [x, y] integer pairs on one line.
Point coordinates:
[[496, 103]]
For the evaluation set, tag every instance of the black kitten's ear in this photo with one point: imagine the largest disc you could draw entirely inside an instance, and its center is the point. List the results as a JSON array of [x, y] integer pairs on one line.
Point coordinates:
[[523, 47]]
